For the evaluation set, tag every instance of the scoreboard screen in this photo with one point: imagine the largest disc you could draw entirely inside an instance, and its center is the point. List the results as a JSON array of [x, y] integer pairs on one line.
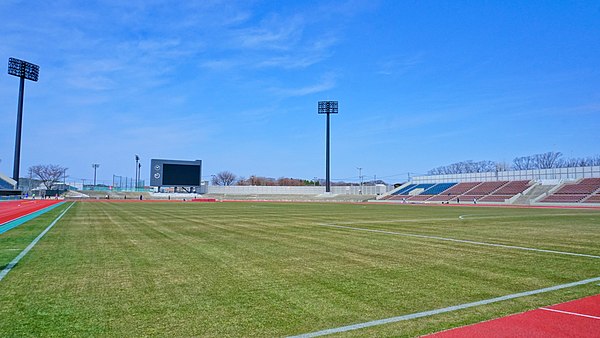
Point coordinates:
[[181, 175], [176, 173]]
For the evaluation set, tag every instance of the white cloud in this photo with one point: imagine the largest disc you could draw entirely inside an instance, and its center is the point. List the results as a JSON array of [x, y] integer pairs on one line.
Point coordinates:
[[327, 82]]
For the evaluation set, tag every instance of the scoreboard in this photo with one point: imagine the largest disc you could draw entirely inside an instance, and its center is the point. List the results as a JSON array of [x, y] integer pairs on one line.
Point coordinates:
[[175, 173]]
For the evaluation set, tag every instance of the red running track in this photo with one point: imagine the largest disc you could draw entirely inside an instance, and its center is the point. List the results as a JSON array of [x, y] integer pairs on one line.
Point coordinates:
[[578, 318], [11, 210]]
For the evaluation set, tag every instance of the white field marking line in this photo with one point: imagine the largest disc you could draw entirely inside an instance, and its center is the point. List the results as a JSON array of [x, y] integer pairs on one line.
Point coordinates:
[[569, 313], [442, 310], [400, 221], [467, 216], [15, 261], [461, 241]]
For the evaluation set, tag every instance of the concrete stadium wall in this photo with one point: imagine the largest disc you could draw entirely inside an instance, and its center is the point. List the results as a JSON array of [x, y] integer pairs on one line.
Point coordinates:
[[560, 174], [303, 190]]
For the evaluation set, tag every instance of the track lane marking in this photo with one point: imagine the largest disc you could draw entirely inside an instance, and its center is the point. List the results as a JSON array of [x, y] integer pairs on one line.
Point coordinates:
[[442, 310], [447, 239], [569, 313], [15, 261]]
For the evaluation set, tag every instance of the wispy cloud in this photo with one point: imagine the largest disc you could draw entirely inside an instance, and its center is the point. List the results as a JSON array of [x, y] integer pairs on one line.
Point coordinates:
[[326, 83], [273, 33], [399, 65]]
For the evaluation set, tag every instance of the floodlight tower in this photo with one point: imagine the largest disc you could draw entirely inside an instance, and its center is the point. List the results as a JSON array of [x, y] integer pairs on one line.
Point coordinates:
[[139, 175], [327, 107], [23, 70], [137, 166], [95, 166]]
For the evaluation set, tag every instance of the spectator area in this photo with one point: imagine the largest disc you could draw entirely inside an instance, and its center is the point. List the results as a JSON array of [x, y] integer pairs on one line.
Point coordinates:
[[495, 191], [586, 190]]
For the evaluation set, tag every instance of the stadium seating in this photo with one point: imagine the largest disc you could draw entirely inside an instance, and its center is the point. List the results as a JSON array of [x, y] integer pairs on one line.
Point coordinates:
[[405, 190], [593, 199], [584, 189], [5, 185], [506, 191], [565, 198], [461, 188], [512, 188], [438, 188]]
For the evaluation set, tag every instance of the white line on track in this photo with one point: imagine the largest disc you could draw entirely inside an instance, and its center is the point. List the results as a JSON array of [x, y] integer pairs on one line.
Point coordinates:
[[15, 261], [459, 240], [569, 313], [442, 310]]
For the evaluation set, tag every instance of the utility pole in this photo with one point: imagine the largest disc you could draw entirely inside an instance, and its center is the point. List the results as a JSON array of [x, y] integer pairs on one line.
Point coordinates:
[[360, 179]]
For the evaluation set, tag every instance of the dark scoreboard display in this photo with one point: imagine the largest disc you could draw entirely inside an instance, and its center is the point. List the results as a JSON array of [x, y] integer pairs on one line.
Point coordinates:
[[181, 175], [176, 173]]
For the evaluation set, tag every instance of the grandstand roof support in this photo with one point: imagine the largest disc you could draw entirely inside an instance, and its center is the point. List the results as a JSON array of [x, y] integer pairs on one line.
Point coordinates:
[[23, 70], [327, 107]]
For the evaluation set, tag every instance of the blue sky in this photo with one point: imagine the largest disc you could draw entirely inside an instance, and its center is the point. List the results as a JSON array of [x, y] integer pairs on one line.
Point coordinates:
[[236, 83]]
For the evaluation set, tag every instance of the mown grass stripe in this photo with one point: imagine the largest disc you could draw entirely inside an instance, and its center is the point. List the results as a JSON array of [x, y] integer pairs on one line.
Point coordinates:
[[15, 261], [461, 241], [442, 310]]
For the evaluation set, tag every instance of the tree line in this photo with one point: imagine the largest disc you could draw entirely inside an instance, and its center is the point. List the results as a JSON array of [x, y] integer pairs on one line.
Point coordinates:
[[546, 160], [226, 178]]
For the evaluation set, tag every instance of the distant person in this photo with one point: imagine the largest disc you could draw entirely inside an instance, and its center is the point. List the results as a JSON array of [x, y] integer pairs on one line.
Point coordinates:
[[458, 200], [141, 197], [474, 200]]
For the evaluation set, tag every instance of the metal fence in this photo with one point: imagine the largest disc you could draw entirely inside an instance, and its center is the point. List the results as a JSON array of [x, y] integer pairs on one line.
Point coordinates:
[[563, 174]]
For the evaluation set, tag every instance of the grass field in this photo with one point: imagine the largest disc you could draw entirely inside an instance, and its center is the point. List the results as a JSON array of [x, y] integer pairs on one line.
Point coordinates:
[[279, 269]]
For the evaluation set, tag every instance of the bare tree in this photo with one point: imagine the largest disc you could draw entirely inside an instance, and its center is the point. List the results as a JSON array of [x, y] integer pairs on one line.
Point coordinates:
[[547, 160], [523, 163], [465, 167], [593, 161], [224, 178], [49, 174]]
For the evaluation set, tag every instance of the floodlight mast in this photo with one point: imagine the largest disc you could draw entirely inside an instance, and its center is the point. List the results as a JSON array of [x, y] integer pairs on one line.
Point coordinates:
[[95, 166], [24, 70], [137, 168], [327, 107]]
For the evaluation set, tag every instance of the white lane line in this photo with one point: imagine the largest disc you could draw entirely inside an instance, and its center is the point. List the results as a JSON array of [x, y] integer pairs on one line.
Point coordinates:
[[442, 310], [460, 241], [15, 261], [569, 313]]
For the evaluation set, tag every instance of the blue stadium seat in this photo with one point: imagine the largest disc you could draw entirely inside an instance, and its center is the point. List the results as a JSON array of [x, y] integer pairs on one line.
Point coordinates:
[[438, 188]]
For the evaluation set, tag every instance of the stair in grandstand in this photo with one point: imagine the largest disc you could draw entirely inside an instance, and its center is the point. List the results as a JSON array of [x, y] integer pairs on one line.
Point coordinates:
[[534, 193], [582, 190]]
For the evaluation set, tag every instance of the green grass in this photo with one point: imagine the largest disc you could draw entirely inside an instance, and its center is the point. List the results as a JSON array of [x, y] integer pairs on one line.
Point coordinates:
[[273, 269]]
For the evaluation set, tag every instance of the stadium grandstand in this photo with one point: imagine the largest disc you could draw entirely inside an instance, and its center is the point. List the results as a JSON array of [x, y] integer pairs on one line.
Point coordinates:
[[8, 186], [544, 186]]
